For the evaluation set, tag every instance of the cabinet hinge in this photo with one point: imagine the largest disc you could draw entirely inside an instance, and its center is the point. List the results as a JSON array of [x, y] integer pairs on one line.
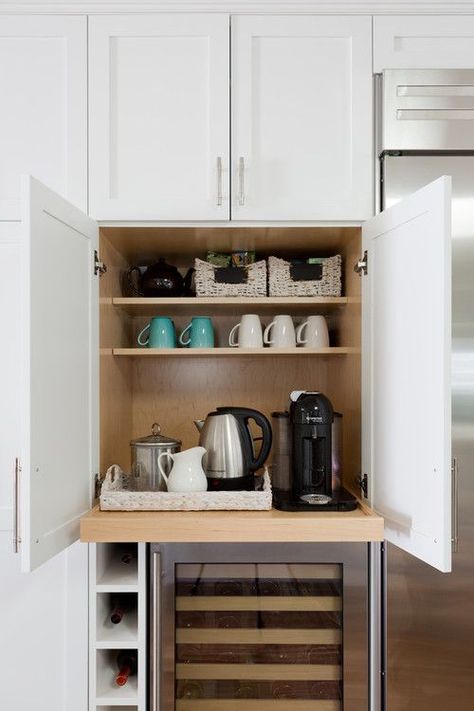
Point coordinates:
[[454, 505], [362, 265], [16, 508], [363, 482], [99, 266]]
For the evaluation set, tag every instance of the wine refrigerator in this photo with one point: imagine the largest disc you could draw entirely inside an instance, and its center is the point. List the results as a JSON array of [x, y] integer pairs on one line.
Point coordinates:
[[259, 627]]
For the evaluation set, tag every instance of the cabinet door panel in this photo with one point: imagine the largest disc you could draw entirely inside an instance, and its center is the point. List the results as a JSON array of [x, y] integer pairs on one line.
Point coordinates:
[[43, 122], [406, 380], [423, 42], [159, 117], [60, 369], [301, 118]]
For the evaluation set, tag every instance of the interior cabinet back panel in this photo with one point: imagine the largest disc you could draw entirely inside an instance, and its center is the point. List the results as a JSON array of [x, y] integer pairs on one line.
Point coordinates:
[[43, 122], [301, 118], [159, 102]]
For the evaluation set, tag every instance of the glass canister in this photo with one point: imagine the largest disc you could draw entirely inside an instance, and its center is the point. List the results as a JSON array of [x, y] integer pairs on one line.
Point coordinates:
[[145, 453]]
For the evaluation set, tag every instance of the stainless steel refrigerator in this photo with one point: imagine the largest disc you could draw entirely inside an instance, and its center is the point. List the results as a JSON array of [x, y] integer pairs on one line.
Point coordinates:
[[426, 130]]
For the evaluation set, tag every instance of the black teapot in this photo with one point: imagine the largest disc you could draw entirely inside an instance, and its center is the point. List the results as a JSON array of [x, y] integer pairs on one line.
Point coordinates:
[[160, 279]]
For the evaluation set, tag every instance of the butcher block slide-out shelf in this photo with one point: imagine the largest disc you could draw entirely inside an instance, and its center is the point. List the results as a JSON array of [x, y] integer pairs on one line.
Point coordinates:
[[232, 527]]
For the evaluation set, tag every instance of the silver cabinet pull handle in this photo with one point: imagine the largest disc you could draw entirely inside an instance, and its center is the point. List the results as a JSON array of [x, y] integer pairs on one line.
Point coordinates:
[[455, 505], [16, 508], [241, 181], [219, 181]]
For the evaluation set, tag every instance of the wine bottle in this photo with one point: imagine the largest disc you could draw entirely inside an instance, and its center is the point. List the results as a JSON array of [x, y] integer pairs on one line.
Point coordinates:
[[127, 664], [128, 557], [120, 606]]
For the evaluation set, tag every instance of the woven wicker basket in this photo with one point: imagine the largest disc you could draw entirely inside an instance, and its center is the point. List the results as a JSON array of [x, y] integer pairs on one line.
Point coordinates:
[[119, 493], [281, 283], [255, 283]]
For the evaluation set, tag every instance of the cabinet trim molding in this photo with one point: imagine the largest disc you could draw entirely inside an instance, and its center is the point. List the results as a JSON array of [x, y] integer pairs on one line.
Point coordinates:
[[352, 7]]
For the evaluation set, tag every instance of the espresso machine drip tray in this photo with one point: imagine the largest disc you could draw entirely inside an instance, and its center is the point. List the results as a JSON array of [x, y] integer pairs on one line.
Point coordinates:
[[341, 500]]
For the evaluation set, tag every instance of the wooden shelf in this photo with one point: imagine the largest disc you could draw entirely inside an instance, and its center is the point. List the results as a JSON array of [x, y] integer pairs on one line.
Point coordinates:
[[218, 352], [217, 306], [232, 527]]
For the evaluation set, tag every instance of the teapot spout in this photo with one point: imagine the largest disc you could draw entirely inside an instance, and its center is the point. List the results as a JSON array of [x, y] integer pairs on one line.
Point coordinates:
[[199, 424]]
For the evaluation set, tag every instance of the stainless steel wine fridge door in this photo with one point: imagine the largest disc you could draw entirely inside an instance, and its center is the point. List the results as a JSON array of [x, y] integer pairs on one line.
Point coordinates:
[[259, 627]]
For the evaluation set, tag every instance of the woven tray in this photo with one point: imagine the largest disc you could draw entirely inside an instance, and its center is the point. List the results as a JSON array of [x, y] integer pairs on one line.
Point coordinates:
[[119, 493]]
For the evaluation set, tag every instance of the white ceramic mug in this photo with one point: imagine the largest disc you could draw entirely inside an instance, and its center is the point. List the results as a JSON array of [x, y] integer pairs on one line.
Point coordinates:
[[283, 333], [249, 332], [313, 333]]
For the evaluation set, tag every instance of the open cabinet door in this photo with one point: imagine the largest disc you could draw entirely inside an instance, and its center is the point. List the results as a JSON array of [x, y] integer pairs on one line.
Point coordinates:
[[60, 369], [406, 322]]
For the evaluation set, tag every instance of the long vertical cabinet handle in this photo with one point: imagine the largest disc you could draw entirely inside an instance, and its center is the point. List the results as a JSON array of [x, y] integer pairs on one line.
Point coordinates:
[[241, 181], [219, 181], [16, 508], [155, 636], [454, 505]]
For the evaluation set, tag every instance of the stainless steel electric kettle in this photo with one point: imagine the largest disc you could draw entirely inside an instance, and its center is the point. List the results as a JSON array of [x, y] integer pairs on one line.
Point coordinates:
[[230, 461]]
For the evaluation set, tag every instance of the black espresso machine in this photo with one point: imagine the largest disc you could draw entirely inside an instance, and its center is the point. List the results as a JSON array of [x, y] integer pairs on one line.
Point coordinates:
[[311, 485]]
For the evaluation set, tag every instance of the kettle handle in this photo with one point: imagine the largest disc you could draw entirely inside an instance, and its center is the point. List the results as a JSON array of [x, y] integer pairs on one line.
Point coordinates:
[[244, 414], [160, 467]]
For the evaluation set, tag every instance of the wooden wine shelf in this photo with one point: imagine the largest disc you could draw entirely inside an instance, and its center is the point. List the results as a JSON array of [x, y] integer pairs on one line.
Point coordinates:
[[217, 306], [219, 352]]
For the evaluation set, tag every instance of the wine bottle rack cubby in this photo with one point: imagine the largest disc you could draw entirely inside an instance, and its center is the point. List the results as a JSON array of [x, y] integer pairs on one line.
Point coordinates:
[[117, 583]]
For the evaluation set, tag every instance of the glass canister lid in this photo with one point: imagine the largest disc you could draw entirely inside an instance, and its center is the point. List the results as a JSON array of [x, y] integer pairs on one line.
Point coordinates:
[[155, 439]]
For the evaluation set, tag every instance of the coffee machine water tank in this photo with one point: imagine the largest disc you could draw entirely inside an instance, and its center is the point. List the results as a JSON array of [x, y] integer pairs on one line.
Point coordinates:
[[311, 418]]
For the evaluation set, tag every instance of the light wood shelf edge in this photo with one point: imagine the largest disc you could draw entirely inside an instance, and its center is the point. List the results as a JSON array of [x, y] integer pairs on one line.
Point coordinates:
[[233, 352], [231, 527]]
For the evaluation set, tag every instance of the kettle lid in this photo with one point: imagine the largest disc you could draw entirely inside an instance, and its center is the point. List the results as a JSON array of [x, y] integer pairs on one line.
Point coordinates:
[[156, 439]]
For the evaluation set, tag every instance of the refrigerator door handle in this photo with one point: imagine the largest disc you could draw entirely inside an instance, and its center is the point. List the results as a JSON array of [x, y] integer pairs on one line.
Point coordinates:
[[455, 504], [155, 642]]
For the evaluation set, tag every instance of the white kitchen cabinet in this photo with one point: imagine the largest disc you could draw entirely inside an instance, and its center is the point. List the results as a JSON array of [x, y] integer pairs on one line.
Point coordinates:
[[423, 42], [159, 117], [43, 121], [301, 118]]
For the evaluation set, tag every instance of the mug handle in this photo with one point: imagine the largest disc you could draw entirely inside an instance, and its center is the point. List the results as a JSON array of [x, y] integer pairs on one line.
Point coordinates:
[[232, 342], [266, 334], [185, 343], [140, 343], [299, 333]]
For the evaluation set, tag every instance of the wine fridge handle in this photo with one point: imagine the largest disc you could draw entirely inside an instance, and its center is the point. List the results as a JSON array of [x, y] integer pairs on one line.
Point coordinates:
[[219, 181], [155, 661], [16, 508]]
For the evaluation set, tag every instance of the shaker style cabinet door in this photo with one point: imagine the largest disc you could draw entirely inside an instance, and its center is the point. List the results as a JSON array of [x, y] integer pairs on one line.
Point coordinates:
[[301, 118], [406, 378], [159, 117], [59, 362], [43, 116], [423, 42]]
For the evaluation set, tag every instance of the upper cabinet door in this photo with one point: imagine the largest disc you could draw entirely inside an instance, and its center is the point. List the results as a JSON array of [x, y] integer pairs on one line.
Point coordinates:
[[423, 42], [159, 117], [43, 119], [59, 351], [406, 321], [301, 118]]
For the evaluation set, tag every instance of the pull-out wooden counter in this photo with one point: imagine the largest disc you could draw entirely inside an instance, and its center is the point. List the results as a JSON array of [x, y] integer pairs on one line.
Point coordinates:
[[231, 526]]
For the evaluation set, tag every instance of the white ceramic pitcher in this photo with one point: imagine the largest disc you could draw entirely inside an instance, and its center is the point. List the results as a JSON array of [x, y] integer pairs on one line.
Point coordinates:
[[186, 473]]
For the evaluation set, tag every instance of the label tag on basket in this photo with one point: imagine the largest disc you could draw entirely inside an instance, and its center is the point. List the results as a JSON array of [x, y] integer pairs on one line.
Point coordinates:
[[306, 272], [231, 275]]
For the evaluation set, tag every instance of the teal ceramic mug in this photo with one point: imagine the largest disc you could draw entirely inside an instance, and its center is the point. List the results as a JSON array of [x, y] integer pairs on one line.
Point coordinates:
[[201, 333], [159, 333]]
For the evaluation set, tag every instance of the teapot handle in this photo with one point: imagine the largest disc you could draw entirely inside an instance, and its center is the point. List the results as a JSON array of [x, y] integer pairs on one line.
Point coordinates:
[[135, 290], [244, 414], [164, 454]]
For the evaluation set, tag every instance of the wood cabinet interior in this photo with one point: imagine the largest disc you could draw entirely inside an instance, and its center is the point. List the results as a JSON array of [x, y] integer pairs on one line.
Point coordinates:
[[135, 392]]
